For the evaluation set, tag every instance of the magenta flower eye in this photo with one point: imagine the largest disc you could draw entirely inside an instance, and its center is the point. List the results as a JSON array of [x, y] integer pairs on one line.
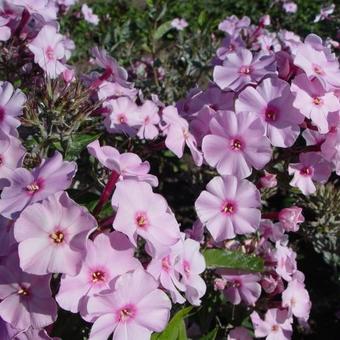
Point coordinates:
[[236, 145], [126, 313], [245, 69], [306, 171], [2, 114], [228, 208], [50, 53], [318, 70], [271, 114], [317, 101], [141, 220], [23, 291], [58, 237], [32, 188], [98, 276]]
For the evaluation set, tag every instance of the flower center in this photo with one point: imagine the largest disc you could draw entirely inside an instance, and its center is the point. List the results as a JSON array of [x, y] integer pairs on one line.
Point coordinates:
[[1, 160], [275, 328], [50, 53], [126, 313], [236, 144], [23, 291], [228, 208], [318, 70], [186, 267], [122, 118], [33, 188], [58, 237], [306, 171], [142, 220], [236, 284], [245, 69], [271, 114], [166, 263], [317, 101], [98, 275]]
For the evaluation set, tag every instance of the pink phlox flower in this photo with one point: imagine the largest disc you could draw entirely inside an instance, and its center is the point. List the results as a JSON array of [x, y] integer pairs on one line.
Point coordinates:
[[285, 261], [330, 149], [26, 300], [49, 51], [52, 234], [89, 16], [11, 157], [236, 144], [272, 231], [312, 167], [268, 180], [241, 68], [148, 118], [277, 325], [290, 39], [190, 266], [296, 299], [11, 105], [45, 8], [128, 165], [196, 232], [325, 12], [241, 286], [229, 207], [110, 90], [229, 44], [52, 175], [239, 333], [7, 240], [133, 311], [291, 218], [140, 212], [314, 101], [272, 101], [178, 135], [107, 257], [5, 31], [290, 7], [233, 25], [179, 23]]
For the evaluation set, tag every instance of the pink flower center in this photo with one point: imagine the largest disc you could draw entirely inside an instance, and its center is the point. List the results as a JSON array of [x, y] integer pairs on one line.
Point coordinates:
[[23, 291], [34, 187], [2, 114], [50, 53], [236, 144], [317, 101], [126, 313], [147, 120], [318, 70], [271, 114], [1, 160], [275, 328], [245, 69], [142, 220], [186, 267], [306, 171], [122, 119], [57, 237], [237, 284], [228, 208], [98, 276], [166, 263]]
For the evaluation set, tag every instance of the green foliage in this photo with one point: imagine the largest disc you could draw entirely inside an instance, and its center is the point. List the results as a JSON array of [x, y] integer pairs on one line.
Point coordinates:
[[221, 258]]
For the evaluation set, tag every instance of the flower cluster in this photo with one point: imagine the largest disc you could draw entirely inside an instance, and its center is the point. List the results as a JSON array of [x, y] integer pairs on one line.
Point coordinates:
[[272, 109]]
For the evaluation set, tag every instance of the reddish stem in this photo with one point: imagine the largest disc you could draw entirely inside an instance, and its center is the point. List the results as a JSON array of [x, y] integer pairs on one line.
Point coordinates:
[[107, 73], [107, 192], [24, 20]]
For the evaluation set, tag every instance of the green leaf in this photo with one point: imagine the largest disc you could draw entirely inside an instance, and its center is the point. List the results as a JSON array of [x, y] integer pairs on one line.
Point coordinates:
[[211, 335], [78, 143], [176, 327], [221, 258], [162, 30]]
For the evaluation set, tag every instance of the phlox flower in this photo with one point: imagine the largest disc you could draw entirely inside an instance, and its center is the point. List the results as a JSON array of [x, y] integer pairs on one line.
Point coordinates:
[[272, 101], [44, 8], [52, 235], [290, 218], [233, 25], [127, 165], [312, 167], [11, 105], [123, 116], [7, 240], [317, 63], [236, 144], [239, 333], [49, 50], [330, 149], [140, 212], [11, 157], [26, 187], [296, 298], [314, 101], [275, 326], [5, 32], [286, 261], [241, 68], [88, 14], [290, 7], [268, 180], [109, 90], [229, 44], [26, 300], [134, 310], [271, 231], [241, 286], [178, 135], [192, 264], [148, 118], [229, 207], [325, 12], [107, 257], [179, 24]]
